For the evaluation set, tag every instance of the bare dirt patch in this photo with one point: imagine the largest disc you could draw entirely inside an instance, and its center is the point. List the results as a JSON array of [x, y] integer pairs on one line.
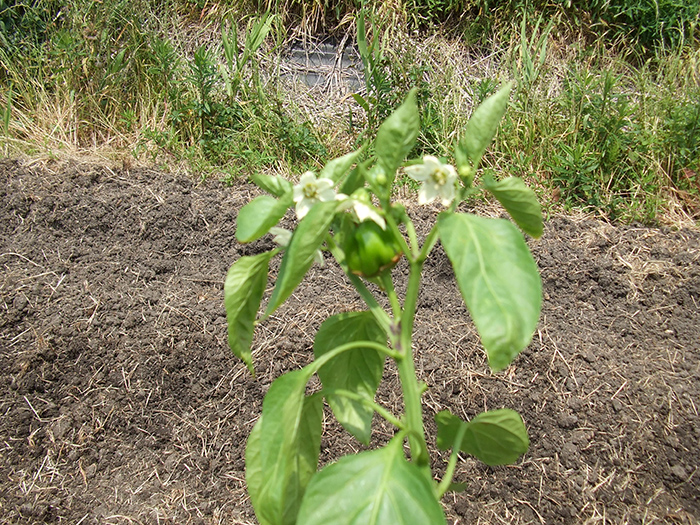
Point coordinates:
[[121, 402]]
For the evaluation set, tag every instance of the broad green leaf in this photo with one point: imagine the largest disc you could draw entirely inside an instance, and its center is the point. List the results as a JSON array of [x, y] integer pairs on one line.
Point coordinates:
[[481, 128], [243, 291], [257, 217], [336, 168], [397, 135], [371, 488], [299, 255], [497, 437], [358, 370], [273, 184], [498, 279], [519, 201], [283, 448], [254, 478]]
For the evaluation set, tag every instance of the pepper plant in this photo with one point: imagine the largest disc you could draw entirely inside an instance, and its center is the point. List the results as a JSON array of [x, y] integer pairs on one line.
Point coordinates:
[[347, 211]]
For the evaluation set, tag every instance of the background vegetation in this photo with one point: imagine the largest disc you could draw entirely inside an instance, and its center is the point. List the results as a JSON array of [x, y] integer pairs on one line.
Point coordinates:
[[605, 116]]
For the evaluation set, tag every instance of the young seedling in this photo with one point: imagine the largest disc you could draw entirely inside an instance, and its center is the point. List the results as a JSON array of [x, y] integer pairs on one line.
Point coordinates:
[[347, 210]]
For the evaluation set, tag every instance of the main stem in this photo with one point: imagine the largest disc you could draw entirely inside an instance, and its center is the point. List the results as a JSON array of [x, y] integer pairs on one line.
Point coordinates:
[[407, 373]]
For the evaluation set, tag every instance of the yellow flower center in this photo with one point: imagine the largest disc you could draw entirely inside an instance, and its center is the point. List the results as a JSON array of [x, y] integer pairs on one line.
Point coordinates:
[[439, 176], [310, 190]]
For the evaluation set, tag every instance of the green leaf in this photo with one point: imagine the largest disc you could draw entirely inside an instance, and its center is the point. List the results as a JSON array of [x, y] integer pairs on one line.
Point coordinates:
[[257, 217], [254, 478], [481, 128], [274, 184], [361, 101], [336, 168], [498, 279], [496, 437], [358, 370], [371, 488], [243, 291], [299, 255], [397, 135], [356, 178], [283, 449], [256, 36], [519, 201]]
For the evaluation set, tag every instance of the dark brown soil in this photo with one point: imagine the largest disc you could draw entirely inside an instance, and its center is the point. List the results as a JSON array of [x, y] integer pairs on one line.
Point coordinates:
[[122, 404]]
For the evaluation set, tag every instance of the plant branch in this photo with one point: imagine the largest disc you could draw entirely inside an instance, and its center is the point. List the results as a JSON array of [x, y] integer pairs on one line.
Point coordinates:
[[399, 236], [388, 284], [315, 365], [428, 245], [444, 485], [383, 412], [407, 373]]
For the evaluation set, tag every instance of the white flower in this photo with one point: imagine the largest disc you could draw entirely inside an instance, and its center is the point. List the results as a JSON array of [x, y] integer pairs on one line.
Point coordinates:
[[361, 207], [282, 237], [311, 190], [438, 180]]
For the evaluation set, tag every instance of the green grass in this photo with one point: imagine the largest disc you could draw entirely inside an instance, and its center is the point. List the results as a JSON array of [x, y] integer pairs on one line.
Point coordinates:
[[605, 115]]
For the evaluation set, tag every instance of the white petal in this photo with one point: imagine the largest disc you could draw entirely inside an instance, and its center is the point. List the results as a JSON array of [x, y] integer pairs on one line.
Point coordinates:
[[318, 258], [298, 193], [427, 193], [447, 193], [303, 207], [306, 178], [281, 236], [431, 163], [451, 173], [323, 184], [364, 212], [326, 195], [417, 172]]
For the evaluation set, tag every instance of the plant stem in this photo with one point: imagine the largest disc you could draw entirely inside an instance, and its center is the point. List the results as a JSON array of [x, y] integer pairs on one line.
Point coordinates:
[[379, 314], [444, 485], [388, 284], [428, 245], [397, 233], [411, 230], [407, 373], [383, 412]]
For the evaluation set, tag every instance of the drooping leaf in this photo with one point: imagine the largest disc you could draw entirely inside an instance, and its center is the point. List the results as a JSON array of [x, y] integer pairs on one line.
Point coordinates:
[[273, 184], [336, 168], [498, 279], [371, 488], [397, 135], [243, 291], [283, 448], [257, 217], [254, 478], [519, 201], [496, 437], [299, 255], [481, 128], [358, 370]]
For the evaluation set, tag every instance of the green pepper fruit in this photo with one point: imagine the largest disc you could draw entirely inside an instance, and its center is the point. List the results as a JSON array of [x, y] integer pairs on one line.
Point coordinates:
[[369, 250]]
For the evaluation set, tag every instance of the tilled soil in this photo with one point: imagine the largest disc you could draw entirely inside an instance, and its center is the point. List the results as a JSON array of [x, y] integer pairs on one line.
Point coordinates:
[[121, 403]]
